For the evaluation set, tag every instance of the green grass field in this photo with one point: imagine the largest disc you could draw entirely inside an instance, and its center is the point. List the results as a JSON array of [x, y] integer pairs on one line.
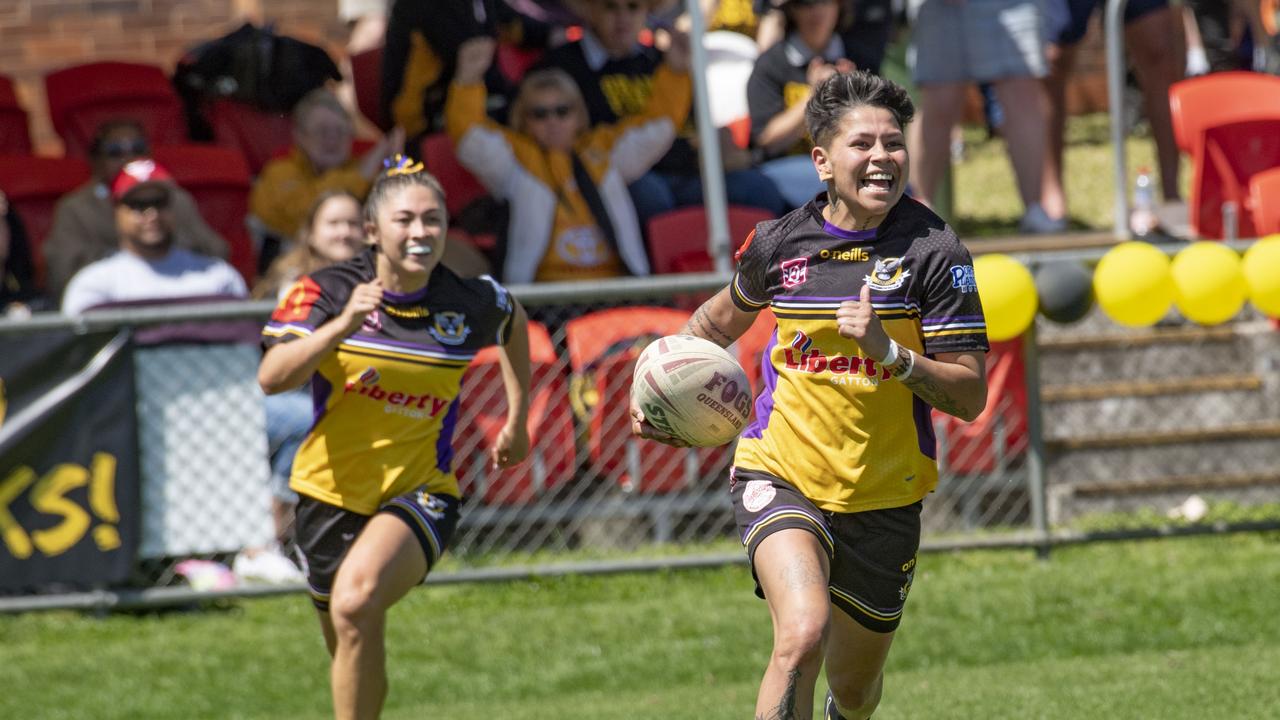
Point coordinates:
[[1168, 629]]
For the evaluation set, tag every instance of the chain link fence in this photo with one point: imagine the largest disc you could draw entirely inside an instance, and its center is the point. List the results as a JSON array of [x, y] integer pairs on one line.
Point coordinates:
[[589, 485]]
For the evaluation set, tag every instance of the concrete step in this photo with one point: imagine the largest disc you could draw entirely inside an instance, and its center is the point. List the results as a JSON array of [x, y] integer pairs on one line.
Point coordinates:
[[1121, 457], [1206, 403], [1162, 495]]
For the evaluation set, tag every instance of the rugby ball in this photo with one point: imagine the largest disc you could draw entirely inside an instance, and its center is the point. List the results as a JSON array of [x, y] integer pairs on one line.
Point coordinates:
[[692, 389]]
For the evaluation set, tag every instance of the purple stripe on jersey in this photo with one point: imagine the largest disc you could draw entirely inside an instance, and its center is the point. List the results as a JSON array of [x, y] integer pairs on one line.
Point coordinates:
[[398, 298], [840, 232], [819, 298], [950, 318], [764, 403], [434, 347], [321, 388], [444, 443], [923, 416]]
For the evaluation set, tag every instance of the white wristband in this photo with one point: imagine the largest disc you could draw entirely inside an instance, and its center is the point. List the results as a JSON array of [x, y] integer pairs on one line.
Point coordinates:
[[891, 357]]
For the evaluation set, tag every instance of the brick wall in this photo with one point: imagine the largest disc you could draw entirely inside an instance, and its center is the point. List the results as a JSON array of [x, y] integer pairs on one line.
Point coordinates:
[[37, 36]]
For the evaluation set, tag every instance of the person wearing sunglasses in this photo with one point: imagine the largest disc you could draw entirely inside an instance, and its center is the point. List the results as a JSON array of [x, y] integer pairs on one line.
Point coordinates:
[[147, 264], [571, 217], [84, 226]]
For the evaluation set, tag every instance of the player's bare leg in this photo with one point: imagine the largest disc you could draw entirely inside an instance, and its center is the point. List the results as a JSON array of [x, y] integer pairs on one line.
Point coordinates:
[[855, 666], [383, 565], [793, 570]]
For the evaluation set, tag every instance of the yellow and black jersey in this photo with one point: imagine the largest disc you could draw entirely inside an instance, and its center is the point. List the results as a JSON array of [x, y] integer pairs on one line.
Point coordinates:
[[830, 420], [386, 402]]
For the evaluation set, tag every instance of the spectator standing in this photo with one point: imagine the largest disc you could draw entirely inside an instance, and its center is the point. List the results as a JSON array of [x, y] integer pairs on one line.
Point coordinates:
[[422, 45], [571, 214], [320, 160], [781, 83], [996, 41], [1153, 41], [84, 222], [148, 264], [615, 75]]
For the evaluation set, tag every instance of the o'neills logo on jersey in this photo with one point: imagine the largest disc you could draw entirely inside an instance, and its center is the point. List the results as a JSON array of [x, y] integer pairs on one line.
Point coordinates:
[[395, 402], [802, 356]]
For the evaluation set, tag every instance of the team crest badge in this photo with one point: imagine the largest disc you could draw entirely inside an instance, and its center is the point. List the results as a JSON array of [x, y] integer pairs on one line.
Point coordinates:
[[757, 494], [794, 271], [432, 505], [450, 328], [887, 275]]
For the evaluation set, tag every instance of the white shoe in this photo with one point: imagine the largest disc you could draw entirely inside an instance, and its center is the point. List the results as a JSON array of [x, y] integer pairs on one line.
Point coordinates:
[[266, 565], [1037, 222]]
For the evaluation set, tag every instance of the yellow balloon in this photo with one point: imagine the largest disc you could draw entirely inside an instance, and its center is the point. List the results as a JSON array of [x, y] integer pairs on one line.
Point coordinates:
[[1133, 284], [1262, 274], [1208, 286], [1008, 295]]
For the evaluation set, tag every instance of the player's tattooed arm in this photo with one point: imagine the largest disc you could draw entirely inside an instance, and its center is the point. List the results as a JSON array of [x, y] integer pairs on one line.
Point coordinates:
[[719, 320], [955, 383], [934, 394]]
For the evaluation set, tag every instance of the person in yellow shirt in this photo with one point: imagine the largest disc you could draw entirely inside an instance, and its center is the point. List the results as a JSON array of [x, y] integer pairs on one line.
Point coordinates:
[[571, 215], [320, 160]]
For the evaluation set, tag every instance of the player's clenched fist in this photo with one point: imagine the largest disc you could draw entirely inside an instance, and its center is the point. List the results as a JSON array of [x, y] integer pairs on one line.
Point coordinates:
[[365, 298], [856, 320]]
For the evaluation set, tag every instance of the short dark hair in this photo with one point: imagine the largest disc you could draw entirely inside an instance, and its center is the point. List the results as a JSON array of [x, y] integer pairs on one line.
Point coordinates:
[[842, 92], [106, 128]]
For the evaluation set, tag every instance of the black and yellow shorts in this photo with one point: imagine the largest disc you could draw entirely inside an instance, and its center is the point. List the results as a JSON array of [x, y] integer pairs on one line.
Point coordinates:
[[872, 553], [326, 532]]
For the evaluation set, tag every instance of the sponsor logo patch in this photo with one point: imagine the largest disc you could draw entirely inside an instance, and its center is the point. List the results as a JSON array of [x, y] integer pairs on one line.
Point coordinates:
[[794, 271], [887, 275]]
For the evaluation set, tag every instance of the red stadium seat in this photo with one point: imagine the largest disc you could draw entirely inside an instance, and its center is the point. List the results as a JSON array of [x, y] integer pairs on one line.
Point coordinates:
[[218, 179], [1264, 191], [34, 185], [678, 238], [1197, 103], [603, 347], [82, 97], [1231, 155], [254, 133], [460, 186], [366, 78], [15, 133], [552, 450], [976, 447], [740, 130]]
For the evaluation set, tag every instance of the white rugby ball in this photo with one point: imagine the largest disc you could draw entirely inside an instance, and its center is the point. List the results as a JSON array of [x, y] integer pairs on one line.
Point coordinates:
[[692, 389]]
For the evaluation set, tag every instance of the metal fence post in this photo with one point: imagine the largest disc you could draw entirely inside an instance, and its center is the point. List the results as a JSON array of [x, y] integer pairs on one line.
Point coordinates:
[[1036, 479], [1114, 26]]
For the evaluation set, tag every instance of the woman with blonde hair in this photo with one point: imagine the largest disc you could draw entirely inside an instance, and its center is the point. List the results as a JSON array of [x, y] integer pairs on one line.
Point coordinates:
[[331, 232]]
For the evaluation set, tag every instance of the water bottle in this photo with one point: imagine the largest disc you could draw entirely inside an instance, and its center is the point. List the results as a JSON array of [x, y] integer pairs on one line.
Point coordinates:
[[1143, 218]]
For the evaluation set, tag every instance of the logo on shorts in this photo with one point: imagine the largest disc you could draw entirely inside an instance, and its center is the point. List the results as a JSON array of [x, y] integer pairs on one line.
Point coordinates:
[[757, 494], [433, 506], [794, 271]]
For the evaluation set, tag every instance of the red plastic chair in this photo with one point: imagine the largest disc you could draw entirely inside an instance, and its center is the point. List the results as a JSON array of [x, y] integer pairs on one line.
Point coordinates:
[[460, 186], [15, 132], [366, 78], [514, 61], [1264, 192], [1231, 155], [82, 97], [678, 238], [218, 179], [255, 134], [1000, 432], [740, 130], [34, 185], [552, 453], [639, 466], [1199, 103]]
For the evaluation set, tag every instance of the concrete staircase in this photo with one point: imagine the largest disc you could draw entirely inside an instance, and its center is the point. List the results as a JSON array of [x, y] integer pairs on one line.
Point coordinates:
[[1145, 418]]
